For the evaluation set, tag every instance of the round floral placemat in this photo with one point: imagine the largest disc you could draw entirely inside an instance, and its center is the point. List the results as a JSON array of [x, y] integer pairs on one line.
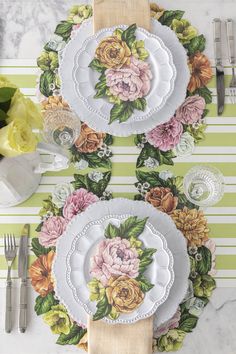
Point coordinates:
[[163, 190]]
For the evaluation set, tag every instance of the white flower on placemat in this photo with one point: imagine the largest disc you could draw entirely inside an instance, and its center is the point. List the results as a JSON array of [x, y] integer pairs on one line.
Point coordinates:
[[104, 151], [186, 145], [60, 193], [165, 175], [195, 306], [95, 176], [151, 163], [81, 164]]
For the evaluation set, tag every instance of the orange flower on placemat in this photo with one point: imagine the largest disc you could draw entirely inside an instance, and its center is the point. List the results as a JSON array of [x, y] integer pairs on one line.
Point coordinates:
[[201, 72], [40, 274], [83, 343], [193, 225], [124, 294], [162, 199], [89, 140], [112, 52], [52, 102]]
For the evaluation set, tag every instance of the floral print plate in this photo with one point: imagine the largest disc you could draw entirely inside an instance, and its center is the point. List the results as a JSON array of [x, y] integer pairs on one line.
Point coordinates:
[[119, 268], [130, 72]]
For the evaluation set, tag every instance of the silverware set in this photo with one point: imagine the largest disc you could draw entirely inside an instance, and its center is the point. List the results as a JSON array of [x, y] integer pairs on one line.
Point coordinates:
[[220, 82], [10, 251]]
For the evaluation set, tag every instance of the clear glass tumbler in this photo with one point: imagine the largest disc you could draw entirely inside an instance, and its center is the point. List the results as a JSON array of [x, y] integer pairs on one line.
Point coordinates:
[[61, 127], [204, 185]]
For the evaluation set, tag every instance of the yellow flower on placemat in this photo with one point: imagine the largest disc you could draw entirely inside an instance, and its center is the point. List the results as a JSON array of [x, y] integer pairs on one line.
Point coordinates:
[[184, 31], [17, 138], [156, 10], [40, 274], [193, 225], [124, 294], [200, 70], [113, 52], [54, 102], [83, 343], [58, 319]]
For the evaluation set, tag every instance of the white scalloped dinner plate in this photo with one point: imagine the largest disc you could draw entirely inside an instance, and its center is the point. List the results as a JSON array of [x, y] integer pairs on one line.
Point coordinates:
[[160, 61], [120, 207], [160, 272], [175, 99]]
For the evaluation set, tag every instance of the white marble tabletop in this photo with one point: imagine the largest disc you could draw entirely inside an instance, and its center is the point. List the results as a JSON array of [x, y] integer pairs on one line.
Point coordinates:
[[25, 26]]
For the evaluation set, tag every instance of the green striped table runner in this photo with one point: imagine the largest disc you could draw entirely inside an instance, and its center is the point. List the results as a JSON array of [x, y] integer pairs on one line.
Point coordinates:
[[218, 149]]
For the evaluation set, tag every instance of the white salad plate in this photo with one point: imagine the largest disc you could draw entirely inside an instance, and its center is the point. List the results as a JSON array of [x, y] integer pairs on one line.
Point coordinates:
[[160, 271], [76, 245], [160, 61], [79, 95]]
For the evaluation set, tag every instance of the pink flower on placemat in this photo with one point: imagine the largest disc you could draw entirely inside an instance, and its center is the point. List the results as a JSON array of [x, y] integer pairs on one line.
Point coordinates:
[[52, 228], [77, 202], [74, 30], [166, 136], [191, 110], [130, 82], [114, 258], [170, 324]]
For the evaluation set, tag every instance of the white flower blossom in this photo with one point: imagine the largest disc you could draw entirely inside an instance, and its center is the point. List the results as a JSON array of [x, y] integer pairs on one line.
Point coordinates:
[[186, 145], [60, 193], [95, 176], [165, 175], [81, 165], [195, 306], [151, 163], [104, 151]]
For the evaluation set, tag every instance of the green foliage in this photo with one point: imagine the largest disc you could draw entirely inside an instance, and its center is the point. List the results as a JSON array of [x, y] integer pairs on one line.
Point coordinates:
[[64, 29], [168, 16], [103, 309], [83, 181], [38, 249], [74, 337], [196, 44], [97, 66], [44, 304], [129, 35], [47, 78], [121, 112]]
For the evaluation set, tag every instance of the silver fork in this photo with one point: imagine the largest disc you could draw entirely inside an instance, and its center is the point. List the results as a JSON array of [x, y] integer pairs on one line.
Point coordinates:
[[230, 41], [10, 254]]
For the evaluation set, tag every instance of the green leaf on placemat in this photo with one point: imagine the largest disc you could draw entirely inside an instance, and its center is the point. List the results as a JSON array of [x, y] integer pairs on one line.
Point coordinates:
[[44, 304], [94, 161], [147, 151], [112, 231], [103, 309], [188, 323], [80, 181], [39, 249], [64, 29], [169, 16], [203, 265], [205, 93], [166, 157], [97, 66], [46, 79], [108, 139], [129, 35], [144, 283], [99, 187], [138, 197], [6, 93], [196, 44], [183, 201], [151, 177], [132, 227], [138, 139], [121, 112], [74, 337]]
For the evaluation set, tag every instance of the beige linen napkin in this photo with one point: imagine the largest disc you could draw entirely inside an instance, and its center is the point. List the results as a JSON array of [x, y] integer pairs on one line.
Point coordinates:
[[134, 338], [108, 13], [120, 339]]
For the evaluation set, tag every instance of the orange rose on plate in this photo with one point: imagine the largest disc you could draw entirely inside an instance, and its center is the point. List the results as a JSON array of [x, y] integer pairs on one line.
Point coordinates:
[[89, 140], [162, 199], [200, 70], [112, 52], [40, 274], [124, 294]]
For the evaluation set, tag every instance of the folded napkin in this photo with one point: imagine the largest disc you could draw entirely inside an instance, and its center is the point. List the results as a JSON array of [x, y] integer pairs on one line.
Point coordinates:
[[108, 13], [135, 338]]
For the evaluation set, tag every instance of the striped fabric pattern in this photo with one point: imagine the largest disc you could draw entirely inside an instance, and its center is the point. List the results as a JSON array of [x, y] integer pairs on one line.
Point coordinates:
[[218, 149]]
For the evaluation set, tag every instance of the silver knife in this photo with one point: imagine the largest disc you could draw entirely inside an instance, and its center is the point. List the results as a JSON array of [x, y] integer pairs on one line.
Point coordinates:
[[219, 67], [22, 273]]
